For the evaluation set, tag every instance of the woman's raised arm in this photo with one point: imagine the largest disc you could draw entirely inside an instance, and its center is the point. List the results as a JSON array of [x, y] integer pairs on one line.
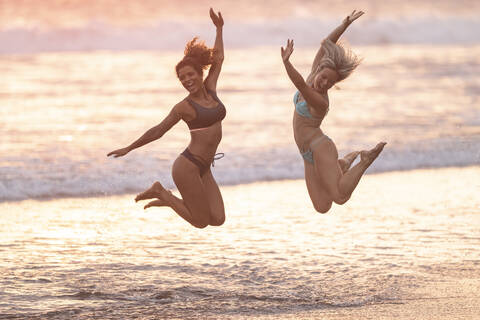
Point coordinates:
[[312, 97], [214, 72], [335, 35]]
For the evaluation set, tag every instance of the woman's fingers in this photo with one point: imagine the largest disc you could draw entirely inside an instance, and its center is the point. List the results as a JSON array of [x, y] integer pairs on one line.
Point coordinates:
[[118, 153], [289, 48], [287, 51], [114, 152], [354, 16], [217, 19]]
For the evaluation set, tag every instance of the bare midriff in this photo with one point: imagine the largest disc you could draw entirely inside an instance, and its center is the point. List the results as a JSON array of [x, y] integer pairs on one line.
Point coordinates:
[[204, 142], [304, 130]]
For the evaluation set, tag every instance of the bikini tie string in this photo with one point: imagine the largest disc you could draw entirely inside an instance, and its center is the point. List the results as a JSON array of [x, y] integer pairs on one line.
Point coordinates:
[[217, 156]]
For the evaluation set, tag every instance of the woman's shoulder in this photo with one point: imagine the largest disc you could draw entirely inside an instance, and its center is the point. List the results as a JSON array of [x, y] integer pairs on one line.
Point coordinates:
[[182, 104], [184, 109]]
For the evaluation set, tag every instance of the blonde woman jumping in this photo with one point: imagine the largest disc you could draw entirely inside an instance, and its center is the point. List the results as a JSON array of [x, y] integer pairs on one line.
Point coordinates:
[[328, 179]]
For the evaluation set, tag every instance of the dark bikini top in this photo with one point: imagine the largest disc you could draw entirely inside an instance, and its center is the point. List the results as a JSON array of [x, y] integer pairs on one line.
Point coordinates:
[[206, 116]]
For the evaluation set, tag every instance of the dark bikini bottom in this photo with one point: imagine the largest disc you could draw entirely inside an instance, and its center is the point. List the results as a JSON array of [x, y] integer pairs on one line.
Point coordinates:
[[201, 164]]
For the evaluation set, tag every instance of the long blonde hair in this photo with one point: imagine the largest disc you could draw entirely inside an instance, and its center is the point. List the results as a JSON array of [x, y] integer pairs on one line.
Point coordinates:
[[338, 58]]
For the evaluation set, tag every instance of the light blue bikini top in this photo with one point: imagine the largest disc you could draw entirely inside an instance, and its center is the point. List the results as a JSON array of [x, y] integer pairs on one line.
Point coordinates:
[[302, 109]]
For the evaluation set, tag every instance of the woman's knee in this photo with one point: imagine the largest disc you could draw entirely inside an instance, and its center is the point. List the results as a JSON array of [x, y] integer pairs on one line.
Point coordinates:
[[340, 199], [335, 194], [199, 224], [200, 221], [199, 217], [323, 207], [217, 220], [212, 221]]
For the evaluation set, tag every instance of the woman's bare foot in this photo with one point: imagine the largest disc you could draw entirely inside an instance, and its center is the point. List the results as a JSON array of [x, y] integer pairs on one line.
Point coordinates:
[[155, 191], [156, 203], [367, 157], [347, 161]]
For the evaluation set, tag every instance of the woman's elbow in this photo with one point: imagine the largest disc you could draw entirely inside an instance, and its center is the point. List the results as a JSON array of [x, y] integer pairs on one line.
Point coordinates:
[[154, 133]]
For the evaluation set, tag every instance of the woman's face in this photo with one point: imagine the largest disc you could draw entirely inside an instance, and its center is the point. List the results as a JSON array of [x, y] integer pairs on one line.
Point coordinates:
[[325, 79], [190, 79]]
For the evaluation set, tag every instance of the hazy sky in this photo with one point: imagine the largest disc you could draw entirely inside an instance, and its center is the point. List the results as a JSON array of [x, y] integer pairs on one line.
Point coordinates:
[[75, 13]]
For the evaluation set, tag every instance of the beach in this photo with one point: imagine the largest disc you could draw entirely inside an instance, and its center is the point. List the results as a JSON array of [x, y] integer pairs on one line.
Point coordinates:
[[405, 246], [81, 78]]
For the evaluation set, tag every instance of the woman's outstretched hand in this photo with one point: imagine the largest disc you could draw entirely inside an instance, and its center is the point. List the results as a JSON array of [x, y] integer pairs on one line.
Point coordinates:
[[287, 51], [353, 16], [119, 152], [216, 19]]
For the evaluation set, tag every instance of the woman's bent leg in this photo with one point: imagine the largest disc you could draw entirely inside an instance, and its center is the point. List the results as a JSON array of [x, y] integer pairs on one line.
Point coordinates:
[[217, 209], [340, 186], [194, 206], [321, 200]]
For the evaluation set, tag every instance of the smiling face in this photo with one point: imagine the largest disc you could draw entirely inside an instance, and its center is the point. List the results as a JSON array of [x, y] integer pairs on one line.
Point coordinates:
[[325, 79], [190, 78]]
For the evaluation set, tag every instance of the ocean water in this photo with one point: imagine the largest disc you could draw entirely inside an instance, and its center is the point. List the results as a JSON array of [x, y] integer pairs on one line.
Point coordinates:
[[63, 112], [78, 82], [82, 78]]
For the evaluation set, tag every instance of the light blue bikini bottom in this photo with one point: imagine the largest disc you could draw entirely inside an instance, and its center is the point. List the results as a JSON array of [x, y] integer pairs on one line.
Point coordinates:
[[308, 155]]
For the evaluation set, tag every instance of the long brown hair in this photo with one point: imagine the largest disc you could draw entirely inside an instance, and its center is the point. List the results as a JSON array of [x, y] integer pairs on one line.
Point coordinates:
[[196, 55]]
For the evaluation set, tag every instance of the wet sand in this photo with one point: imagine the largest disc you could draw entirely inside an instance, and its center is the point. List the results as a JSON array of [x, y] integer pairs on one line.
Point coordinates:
[[453, 299], [406, 246]]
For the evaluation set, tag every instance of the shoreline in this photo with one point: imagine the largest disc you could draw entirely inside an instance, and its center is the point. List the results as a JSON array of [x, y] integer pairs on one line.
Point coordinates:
[[251, 183]]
